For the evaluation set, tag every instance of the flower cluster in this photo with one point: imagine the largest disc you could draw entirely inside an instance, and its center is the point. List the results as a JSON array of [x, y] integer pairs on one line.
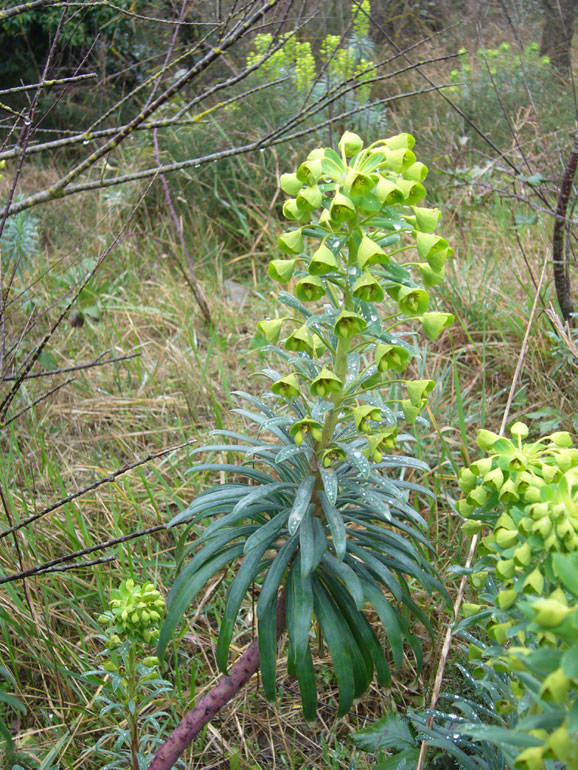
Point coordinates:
[[340, 62], [134, 615], [523, 497], [356, 213], [294, 59]]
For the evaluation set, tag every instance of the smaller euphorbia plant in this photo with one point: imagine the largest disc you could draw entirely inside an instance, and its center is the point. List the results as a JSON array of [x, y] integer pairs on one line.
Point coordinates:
[[130, 673], [320, 515], [523, 499]]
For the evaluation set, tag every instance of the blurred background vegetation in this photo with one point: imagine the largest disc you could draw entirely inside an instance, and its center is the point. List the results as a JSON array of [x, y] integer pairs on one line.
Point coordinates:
[[494, 114]]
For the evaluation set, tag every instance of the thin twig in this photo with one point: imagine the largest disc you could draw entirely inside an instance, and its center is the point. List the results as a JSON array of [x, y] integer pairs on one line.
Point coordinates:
[[95, 484], [48, 565], [37, 401], [49, 83], [76, 368], [78, 565]]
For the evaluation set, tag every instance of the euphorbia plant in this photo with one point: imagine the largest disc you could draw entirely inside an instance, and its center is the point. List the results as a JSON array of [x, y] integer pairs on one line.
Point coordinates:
[[325, 524], [523, 496]]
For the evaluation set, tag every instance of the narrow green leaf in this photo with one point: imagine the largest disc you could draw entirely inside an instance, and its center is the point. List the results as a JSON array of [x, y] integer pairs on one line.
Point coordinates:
[[267, 632], [392, 731], [263, 533], [329, 478], [301, 503], [290, 451], [389, 618], [238, 470], [186, 587], [348, 577], [299, 612], [336, 636], [566, 567], [248, 571], [261, 493], [336, 526], [307, 543], [274, 575]]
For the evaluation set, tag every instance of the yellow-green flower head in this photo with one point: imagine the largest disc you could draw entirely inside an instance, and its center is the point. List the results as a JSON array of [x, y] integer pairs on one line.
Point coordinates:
[[550, 612], [326, 383], [530, 759], [380, 442], [307, 427], [323, 261], [287, 387], [135, 612], [310, 289], [391, 358], [367, 288], [362, 415], [555, 687], [350, 144], [301, 341], [342, 209], [349, 324], [332, 455]]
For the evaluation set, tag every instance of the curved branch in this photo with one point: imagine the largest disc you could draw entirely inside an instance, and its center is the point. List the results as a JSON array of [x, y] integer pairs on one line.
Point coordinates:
[[559, 260]]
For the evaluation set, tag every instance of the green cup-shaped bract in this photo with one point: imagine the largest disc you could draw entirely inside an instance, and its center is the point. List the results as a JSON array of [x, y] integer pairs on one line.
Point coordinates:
[[303, 428], [357, 183], [370, 253], [550, 613], [310, 172], [426, 220], [349, 324], [391, 358], [433, 324], [301, 341], [290, 242], [342, 209], [326, 383], [323, 261], [379, 442], [400, 159], [411, 411], [413, 191], [281, 270], [417, 172], [288, 387], [290, 184], [350, 144], [362, 414], [402, 141], [332, 455], [292, 210], [310, 289], [418, 390], [309, 198], [388, 193], [430, 277], [411, 300], [555, 687], [367, 288], [530, 759], [271, 329]]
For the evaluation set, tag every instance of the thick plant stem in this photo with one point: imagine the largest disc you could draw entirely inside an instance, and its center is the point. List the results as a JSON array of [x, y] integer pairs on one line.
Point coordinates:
[[194, 721]]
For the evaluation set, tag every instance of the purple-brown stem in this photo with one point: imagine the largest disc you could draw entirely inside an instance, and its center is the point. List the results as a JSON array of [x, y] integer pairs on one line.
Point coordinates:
[[559, 261], [194, 721]]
